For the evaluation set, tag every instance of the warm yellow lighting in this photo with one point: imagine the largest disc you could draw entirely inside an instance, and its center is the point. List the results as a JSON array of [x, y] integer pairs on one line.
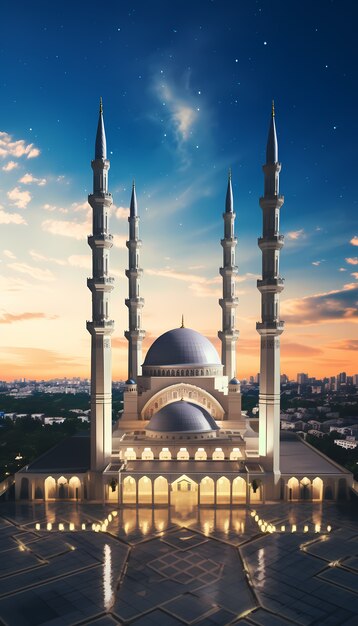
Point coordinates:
[[22, 547], [256, 518], [93, 526], [106, 522], [283, 528], [263, 528], [37, 526], [103, 528], [49, 526], [317, 528], [114, 513], [305, 529], [96, 528], [253, 513], [294, 528], [329, 528], [61, 526], [72, 526], [109, 517], [83, 526]]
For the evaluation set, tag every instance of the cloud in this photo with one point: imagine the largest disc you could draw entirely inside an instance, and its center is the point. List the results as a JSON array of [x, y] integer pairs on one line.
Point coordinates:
[[354, 241], [9, 318], [318, 262], [51, 208], [35, 272], [183, 113], [19, 198], [342, 269], [352, 260], [294, 350], [122, 213], [29, 178], [11, 218], [19, 148], [337, 305], [37, 256], [296, 234], [81, 206], [80, 260], [9, 254], [119, 342], [11, 165], [345, 344], [355, 275], [66, 228]]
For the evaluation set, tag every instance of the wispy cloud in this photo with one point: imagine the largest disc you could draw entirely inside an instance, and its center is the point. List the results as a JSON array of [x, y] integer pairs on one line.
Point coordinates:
[[11, 165], [122, 213], [355, 275], [296, 234], [29, 179], [19, 198], [354, 241], [10, 318], [294, 350], [37, 256], [316, 263], [35, 272], [67, 228], [337, 305], [344, 344], [11, 218], [9, 254], [19, 148], [352, 260]]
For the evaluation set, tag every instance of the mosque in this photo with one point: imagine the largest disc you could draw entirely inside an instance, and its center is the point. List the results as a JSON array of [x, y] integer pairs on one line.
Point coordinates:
[[182, 437]]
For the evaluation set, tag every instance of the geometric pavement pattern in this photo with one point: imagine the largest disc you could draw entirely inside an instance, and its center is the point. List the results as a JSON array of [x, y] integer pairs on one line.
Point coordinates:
[[215, 569]]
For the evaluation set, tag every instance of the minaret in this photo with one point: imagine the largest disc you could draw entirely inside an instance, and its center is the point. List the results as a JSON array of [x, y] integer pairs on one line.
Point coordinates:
[[134, 302], [229, 335], [101, 327], [270, 327]]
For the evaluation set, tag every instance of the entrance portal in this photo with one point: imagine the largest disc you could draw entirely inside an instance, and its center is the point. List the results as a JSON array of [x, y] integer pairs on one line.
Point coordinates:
[[184, 494]]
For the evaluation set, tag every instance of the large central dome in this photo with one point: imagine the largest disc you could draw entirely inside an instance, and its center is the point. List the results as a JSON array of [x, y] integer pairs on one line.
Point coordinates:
[[182, 417], [182, 346]]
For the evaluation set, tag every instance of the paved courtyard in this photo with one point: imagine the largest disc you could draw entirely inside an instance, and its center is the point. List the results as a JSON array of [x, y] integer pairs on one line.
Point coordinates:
[[278, 564]]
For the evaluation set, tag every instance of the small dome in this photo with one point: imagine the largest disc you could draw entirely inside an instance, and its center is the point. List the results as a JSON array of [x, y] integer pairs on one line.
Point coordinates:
[[234, 381], [182, 417], [182, 346], [130, 381]]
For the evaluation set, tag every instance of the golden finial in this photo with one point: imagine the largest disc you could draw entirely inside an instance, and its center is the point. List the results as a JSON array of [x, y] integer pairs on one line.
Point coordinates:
[[133, 183], [229, 173], [182, 321], [273, 108], [100, 105]]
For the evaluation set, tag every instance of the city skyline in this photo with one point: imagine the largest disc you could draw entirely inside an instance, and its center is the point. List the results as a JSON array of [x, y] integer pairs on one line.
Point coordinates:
[[181, 108]]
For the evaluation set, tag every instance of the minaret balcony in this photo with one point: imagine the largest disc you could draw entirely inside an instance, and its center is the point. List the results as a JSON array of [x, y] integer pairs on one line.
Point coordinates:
[[134, 272], [272, 201], [102, 327], [229, 242], [270, 328], [100, 240], [101, 283], [134, 243], [271, 242], [274, 285], [230, 302], [135, 303], [229, 270]]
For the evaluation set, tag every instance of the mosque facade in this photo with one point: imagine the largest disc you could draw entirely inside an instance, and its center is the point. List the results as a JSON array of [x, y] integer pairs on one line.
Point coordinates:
[[182, 436]]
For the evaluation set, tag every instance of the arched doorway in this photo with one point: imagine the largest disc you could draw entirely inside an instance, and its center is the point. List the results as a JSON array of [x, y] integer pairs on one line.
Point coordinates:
[[305, 489], [207, 491], [238, 490], [160, 490], [129, 490], [75, 488], [184, 493], [223, 489], [145, 490], [50, 488], [293, 489], [317, 489], [62, 488]]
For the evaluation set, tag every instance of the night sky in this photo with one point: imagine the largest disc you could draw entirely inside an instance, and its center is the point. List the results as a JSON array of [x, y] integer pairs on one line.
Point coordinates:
[[187, 90]]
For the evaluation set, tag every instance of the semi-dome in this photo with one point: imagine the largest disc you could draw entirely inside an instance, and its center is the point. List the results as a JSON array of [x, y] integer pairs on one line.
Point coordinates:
[[182, 417], [234, 381], [181, 346]]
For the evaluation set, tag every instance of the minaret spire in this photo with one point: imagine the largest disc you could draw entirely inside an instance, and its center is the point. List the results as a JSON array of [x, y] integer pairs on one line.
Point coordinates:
[[270, 327], [228, 334], [101, 327], [135, 334]]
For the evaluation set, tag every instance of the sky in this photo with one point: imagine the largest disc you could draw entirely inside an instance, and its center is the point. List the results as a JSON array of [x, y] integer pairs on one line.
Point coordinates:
[[187, 89]]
